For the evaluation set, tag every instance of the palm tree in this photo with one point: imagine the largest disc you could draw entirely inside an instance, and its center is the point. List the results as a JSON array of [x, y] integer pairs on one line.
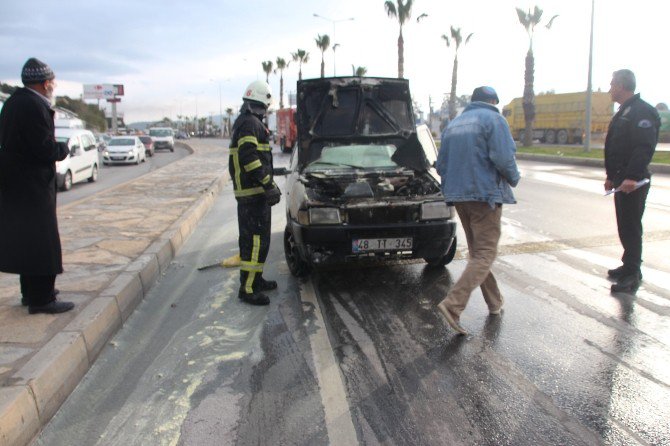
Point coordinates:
[[402, 12], [323, 42], [456, 39], [281, 66], [267, 67], [530, 20], [229, 113], [358, 71], [300, 56]]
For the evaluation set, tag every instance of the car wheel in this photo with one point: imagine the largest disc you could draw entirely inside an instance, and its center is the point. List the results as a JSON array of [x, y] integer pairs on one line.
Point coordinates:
[[94, 174], [297, 266], [562, 136], [171, 148], [67, 181], [445, 259]]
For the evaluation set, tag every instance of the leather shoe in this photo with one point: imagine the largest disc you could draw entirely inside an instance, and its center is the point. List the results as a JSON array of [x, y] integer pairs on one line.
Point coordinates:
[[620, 272], [266, 285], [53, 307], [627, 284], [24, 302], [257, 298], [451, 318]]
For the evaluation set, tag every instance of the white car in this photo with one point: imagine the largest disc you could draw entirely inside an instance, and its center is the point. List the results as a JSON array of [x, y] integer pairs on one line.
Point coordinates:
[[124, 150], [82, 163], [163, 138]]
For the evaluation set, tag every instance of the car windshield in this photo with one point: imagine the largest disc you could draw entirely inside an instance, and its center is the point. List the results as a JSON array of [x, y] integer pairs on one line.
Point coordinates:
[[122, 142], [160, 132], [355, 156]]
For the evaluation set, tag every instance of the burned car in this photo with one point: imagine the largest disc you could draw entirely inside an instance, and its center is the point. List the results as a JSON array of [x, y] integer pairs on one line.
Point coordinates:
[[361, 181]]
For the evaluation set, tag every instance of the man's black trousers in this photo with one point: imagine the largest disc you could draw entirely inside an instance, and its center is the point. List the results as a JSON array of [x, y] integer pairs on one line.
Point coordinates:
[[254, 221], [629, 211], [37, 290]]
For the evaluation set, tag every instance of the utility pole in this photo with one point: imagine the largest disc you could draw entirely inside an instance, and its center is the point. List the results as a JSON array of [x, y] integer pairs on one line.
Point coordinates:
[[333, 40], [589, 87]]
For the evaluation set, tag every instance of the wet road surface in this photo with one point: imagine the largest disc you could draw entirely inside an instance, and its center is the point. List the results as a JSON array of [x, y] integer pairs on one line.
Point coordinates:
[[358, 355]]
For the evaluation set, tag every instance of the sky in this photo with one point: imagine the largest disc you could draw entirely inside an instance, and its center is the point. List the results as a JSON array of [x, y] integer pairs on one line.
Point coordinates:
[[182, 58]]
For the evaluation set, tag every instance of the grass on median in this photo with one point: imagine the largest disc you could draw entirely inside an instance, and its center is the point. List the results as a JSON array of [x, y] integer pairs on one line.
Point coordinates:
[[578, 152]]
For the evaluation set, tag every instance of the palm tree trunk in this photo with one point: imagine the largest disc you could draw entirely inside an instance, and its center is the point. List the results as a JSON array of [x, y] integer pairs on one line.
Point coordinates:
[[529, 98], [323, 66], [281, 89], [401, 56], [452, 95], [300, 72]]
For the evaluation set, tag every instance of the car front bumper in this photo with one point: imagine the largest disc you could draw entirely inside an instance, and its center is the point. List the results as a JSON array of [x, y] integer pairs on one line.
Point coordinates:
[[120, 158], [332, 244]]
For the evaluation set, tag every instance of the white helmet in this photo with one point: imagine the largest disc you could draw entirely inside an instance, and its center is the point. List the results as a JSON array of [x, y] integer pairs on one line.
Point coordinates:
[[259, 91]]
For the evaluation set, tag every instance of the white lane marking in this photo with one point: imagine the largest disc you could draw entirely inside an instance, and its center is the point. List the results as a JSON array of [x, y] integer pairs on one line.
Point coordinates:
[[339, 425]]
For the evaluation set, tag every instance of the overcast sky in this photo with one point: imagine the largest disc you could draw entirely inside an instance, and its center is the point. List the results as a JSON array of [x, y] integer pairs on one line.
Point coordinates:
[[173, 56]]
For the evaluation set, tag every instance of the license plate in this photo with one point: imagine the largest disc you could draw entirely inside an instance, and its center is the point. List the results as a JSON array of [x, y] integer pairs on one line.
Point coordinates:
[[381, 244]]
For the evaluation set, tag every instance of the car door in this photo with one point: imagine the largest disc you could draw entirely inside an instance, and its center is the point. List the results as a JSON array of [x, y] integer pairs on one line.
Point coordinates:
[[89, 156], [76, 157]]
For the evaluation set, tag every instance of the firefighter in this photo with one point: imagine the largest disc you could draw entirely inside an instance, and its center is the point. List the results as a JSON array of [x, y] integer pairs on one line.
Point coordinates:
[[250, 166]]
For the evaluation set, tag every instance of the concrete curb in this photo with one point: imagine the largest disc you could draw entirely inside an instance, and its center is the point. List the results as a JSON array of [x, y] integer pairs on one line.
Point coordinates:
[[653, 167], [47, 379]]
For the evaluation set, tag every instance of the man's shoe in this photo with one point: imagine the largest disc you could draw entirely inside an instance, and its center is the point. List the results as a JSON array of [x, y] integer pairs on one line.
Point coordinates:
[[451, 318], [266, 285], [53, 307], [24, 302], [627, 284], [620, 272], [499, 309], [254, 298]]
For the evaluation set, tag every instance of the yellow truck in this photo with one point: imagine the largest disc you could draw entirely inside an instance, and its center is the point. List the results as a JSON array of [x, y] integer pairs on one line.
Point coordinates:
[[561, 118]]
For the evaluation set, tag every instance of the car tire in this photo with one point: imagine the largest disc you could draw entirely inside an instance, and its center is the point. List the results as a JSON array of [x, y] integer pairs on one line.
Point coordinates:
[[171, 148], [94, 174], [445, 259], [297, 266], [67, 181]]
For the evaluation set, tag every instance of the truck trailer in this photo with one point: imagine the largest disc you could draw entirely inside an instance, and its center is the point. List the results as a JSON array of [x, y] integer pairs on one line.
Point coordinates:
[[561, 118]]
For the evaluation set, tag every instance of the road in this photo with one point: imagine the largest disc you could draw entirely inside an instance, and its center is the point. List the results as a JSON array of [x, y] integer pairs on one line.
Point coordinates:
[[113, 175], [360, 356]]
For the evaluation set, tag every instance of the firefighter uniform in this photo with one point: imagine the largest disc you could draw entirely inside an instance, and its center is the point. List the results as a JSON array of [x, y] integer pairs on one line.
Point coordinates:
[[629, 146], [250, 166]]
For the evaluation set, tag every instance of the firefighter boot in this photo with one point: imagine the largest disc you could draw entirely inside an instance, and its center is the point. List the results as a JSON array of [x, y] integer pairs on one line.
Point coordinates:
[[266, 285], [256, 298]]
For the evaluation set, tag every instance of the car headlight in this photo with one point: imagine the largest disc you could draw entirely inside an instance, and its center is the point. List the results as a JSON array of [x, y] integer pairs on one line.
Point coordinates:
[[324, 216], [105, 153], [435, 210]]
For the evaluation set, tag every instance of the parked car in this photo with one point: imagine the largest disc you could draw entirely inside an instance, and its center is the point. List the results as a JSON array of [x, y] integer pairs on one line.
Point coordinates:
[[182, 135], [82, 163], [124, 150], [361, 181], [101, 142], [163, 138], [148, 144]]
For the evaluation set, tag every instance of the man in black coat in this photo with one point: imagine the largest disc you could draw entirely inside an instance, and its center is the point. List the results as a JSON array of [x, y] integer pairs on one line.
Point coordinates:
[[629, 146], [29, 240]]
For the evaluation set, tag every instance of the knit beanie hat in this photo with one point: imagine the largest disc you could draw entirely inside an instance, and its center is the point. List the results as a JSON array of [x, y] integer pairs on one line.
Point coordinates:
[[35, 72]]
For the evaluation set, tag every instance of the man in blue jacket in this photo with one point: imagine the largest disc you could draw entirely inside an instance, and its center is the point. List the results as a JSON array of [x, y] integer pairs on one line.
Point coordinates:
[[477, 166]]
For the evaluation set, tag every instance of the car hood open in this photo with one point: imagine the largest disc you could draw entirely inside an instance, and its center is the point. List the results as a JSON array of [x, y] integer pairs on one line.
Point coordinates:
[[357, 110]]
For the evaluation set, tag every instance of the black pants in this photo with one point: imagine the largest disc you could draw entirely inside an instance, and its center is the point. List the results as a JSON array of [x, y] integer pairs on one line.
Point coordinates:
[[254, 222], [629, 211], [37, 290]]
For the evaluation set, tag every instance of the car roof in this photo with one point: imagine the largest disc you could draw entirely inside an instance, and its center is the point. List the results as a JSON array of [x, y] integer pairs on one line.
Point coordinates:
[[68, 133]]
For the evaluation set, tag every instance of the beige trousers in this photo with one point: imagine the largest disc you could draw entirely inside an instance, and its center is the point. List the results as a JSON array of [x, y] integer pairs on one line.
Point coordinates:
[[482, 230]]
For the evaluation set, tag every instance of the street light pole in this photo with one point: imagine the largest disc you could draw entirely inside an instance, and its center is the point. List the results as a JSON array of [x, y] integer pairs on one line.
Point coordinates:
[[220, 108], [589, 87], [334, 44]]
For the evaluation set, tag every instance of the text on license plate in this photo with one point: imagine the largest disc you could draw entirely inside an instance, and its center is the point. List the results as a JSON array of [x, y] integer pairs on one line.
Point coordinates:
[[381, 244]]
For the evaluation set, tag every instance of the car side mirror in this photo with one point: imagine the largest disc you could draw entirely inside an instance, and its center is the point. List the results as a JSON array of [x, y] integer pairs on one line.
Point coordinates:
[[280, 171], [75, 151]]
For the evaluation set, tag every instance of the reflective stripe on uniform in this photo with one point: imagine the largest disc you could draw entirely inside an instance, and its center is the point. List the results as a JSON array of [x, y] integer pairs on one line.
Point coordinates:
[[264, 148], [249, 192], [247, 139], [252, 267], [252, 165], [266, 179]]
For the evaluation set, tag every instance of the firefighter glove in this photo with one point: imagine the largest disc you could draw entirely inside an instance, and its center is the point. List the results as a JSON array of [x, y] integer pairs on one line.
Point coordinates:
[[273, 195]]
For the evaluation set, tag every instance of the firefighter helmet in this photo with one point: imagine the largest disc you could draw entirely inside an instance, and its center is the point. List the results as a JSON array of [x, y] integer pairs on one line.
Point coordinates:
[[259, 91]]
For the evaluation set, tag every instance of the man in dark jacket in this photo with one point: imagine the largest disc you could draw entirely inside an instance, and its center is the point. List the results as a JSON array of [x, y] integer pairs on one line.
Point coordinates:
[[250, 167], [29, 240], [629, 146]]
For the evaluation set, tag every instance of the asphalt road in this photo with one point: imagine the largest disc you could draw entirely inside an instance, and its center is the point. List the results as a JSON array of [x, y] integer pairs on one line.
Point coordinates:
[[360, 356], [113, 175]]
